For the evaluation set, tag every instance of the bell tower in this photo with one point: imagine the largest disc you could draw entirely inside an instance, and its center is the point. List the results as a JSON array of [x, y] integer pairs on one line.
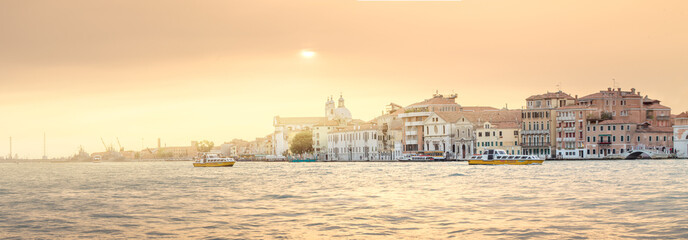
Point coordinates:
[[329, 108]]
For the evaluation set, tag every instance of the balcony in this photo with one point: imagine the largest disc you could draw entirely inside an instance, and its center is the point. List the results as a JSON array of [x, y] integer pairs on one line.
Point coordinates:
[[413, 124], [533, 144], [525, 132], [604, 143], [569, 129], [570, 118], [411, 141], [414, 114], [411, 133]]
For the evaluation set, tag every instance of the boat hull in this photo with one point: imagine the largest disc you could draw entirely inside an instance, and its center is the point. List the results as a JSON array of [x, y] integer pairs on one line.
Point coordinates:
[[214, 164], [302, 160], [506, 162]]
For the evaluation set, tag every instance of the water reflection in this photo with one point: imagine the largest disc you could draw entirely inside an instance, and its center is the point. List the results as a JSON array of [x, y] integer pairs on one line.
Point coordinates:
[[597, 199]]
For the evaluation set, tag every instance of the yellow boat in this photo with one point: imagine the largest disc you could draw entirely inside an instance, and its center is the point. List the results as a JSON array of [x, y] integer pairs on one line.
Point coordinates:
[[213, 160], [500, 157]]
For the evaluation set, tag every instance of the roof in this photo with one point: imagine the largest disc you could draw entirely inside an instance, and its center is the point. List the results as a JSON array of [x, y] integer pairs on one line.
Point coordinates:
[[477, 108], [551, 95], [570, 107], [657, 106], [616, 121], [682, 115], [357, 128], [601, 94], [503, 125], [436, 100], [656, 129]]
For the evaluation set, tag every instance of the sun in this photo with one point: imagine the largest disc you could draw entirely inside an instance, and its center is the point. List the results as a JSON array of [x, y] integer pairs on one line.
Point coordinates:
[[307, 53]]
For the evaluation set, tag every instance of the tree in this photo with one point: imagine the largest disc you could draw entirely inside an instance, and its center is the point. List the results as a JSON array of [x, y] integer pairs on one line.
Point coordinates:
[[205, 146], [302, 143]]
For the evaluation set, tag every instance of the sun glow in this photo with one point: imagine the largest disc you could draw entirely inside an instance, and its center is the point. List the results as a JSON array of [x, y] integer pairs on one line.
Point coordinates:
[[307, 54]]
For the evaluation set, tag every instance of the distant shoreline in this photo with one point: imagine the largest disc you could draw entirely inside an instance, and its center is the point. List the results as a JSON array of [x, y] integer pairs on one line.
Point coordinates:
[[188, 160]]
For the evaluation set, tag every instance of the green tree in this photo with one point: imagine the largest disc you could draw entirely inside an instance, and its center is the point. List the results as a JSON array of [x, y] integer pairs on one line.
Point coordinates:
[[205, 146], [302, 143]]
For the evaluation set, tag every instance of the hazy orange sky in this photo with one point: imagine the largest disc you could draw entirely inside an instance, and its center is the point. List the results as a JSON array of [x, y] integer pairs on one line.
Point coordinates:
[[218, 70]]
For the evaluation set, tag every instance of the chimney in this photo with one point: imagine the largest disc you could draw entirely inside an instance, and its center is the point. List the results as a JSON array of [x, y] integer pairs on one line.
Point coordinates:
[[632, 90], [158, 143], [609, 89], [619, 89]]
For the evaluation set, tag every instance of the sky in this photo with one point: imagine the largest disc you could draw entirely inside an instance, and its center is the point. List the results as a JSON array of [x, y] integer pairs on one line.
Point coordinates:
[[136, 71]]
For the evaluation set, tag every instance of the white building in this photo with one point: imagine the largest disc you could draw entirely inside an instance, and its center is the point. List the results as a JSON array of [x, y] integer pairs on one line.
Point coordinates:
[[681, 135], [287, 127], [358, 142]]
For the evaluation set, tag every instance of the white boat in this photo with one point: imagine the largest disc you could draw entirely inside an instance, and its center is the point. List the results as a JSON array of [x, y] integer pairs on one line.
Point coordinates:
[[500, 157]]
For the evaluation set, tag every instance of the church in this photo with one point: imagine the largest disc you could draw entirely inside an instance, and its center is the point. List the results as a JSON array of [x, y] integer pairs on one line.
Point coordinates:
[[287, 127]]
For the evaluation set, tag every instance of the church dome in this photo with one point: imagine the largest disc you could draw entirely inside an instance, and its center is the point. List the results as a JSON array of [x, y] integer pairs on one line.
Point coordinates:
[[342, 113]]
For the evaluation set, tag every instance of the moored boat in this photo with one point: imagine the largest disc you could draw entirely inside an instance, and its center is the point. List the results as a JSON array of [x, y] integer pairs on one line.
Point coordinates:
[[303, 160], [500, 157], [212, 160]]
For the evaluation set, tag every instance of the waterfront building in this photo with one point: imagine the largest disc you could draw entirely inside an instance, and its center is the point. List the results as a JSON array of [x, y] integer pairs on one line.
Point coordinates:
[[500, 135], [415, 115], [287, 127], [622, 121], [681, 135], [357, 142], [571, 122], [628, 105], [438, 132], [538, 131], [320, 133], [390, 132]]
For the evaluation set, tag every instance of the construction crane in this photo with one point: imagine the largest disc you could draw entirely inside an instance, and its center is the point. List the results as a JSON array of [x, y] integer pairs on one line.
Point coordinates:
[[105, 145], [121, 149]]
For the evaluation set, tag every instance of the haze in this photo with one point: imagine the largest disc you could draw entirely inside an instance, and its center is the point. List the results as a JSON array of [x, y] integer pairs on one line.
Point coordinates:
[[218, 70]]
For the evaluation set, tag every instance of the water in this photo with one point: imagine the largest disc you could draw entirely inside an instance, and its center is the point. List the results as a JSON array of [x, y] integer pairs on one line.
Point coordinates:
[[572, 200]]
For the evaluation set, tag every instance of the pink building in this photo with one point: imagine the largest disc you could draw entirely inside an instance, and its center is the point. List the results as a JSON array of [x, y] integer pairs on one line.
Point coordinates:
[[621, 121], [570, 131]]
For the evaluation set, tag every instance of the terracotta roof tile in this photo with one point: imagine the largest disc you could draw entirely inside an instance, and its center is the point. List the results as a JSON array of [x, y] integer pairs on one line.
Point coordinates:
[[551, 95]]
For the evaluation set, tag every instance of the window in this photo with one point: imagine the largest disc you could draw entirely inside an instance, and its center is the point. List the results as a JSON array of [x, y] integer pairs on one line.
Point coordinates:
[[614, 127], [649, 138], [593, 128], [588, 139], [622, 129]]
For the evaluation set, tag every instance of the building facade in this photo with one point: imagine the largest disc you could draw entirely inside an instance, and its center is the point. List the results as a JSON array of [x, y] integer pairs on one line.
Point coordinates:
[[358, 142], [539, 119], [681, 135]]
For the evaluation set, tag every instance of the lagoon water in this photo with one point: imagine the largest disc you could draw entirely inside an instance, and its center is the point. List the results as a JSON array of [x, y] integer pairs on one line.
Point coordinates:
[[257, 200]]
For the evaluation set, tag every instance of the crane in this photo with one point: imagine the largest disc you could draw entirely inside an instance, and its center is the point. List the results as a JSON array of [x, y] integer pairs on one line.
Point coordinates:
[[104, 145], [121, 149]]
